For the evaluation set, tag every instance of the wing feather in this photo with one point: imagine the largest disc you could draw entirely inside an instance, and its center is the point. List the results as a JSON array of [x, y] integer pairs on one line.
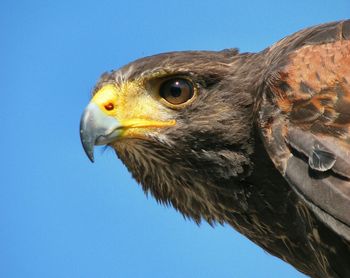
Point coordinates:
[[305, 117]]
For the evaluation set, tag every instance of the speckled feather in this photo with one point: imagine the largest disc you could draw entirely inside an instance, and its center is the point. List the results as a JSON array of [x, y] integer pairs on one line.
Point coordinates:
[[264, 147], [304, 120]]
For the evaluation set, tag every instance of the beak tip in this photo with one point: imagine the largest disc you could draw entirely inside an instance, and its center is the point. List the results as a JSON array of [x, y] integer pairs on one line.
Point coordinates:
[[90, 155], [89, 150], [88, 146]]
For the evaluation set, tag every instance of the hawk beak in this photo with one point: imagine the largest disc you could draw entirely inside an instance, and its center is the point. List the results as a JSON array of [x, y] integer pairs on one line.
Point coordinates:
[[97, 128]]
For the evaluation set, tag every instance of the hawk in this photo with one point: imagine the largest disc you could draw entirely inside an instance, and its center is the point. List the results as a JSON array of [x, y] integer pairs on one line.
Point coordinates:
[[260, 141]]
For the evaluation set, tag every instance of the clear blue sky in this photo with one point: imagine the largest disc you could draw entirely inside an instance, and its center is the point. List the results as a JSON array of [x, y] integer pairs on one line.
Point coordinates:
[[60, 215]]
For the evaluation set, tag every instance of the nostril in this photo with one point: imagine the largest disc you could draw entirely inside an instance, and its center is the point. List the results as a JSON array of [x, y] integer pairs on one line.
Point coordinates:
[[109, 106]]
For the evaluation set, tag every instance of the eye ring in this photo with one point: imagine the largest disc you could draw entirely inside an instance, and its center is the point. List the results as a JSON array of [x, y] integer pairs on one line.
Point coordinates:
[[176, 91]]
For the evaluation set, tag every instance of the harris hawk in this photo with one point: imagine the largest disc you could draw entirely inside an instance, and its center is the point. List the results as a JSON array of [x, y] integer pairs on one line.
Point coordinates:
[[260, 141]]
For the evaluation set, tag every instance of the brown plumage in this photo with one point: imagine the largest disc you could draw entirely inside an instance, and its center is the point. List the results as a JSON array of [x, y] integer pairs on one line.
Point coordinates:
[[262, 142]]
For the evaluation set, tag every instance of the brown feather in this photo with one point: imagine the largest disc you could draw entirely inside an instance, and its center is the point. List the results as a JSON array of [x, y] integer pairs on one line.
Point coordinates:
[[265, 146]]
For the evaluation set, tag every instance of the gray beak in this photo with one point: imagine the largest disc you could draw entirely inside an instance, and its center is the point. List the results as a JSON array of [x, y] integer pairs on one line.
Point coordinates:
[[97, 128]]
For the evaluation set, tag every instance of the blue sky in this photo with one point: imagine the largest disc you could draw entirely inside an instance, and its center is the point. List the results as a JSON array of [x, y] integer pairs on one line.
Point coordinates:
[[60, 215]]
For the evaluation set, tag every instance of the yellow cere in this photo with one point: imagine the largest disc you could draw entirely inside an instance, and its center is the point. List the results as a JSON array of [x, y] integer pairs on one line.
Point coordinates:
[[106, 95], [133, 107]]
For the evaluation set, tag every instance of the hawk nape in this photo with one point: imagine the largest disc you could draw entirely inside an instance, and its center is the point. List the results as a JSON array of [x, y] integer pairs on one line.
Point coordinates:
[[257, 140]]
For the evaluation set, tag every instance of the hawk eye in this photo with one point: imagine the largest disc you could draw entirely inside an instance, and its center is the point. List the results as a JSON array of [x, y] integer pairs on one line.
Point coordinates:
[[176, 91]]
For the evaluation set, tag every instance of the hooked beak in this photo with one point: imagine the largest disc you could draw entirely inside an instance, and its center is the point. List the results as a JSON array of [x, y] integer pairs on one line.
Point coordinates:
[[97, 128]]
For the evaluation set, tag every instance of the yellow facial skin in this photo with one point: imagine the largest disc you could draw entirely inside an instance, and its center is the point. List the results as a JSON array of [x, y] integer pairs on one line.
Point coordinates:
[[137, 110]]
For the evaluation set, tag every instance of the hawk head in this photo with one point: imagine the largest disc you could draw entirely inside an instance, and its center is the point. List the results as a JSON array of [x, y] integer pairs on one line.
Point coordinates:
[[182, 124]]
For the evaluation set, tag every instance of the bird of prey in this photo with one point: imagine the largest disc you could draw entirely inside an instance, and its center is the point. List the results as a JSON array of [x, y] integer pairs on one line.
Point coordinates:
[[260, 141]]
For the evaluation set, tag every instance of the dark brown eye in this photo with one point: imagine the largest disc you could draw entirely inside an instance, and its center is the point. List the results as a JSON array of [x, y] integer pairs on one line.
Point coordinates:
[[176, 91]]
